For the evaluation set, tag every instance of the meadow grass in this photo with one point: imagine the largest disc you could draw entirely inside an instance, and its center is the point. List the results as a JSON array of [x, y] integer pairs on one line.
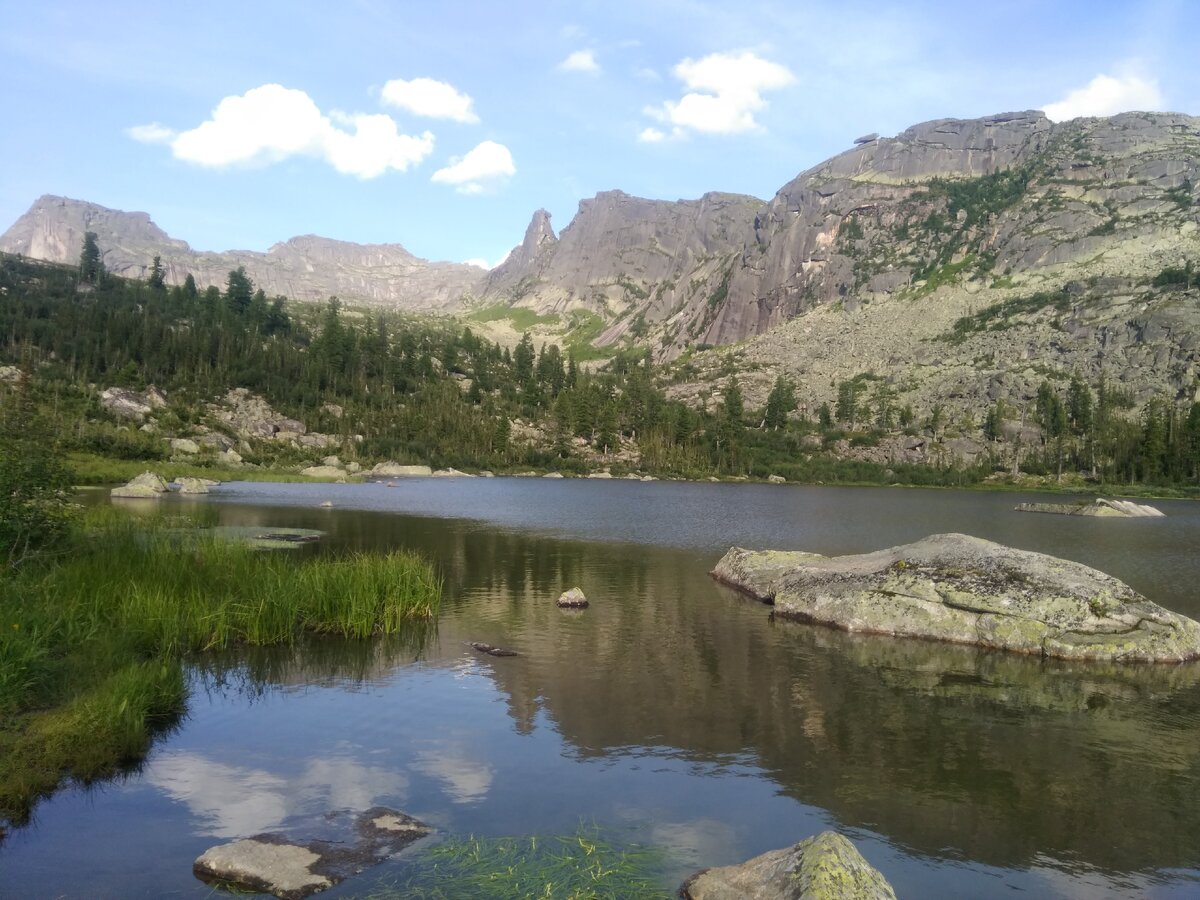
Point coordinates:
[[92, 645]]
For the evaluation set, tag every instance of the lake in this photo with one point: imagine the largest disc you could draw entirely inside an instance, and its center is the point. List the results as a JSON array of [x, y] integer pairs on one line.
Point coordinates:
[[673, 712]]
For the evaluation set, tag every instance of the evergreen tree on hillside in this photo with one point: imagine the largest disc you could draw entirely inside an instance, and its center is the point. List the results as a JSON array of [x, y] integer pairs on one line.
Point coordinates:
[[91, 268]]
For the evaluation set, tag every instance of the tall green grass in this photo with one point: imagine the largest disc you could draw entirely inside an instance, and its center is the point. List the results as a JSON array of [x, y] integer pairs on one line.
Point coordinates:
[[91, 646]]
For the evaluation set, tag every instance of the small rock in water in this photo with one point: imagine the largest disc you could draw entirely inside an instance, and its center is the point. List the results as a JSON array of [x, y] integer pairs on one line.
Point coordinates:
[[573, 599], [291, 871], [490, 650]]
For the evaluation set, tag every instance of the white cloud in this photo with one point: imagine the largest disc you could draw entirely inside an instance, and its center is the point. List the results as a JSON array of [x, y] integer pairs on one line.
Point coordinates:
[[1107, 95], [429, 98], [724, 92], [651, 136], [271, 123], [581, 61], [486, 162], [154, 133]]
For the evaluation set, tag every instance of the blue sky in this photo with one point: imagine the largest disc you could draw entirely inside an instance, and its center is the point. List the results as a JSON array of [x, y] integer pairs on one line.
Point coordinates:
[[443, 126]]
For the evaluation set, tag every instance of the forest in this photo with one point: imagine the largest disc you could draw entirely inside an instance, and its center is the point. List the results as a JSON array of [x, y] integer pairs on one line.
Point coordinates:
[[432, 391]]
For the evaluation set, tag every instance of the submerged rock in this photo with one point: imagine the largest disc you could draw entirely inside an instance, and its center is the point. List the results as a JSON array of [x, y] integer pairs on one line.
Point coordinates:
[[573, 599], [1100, 508], [491, 650], [146, 485], [290, 871], [952, 587], [823, 867]]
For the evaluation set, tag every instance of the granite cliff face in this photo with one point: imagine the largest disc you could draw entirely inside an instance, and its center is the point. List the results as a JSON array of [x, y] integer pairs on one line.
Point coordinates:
[[305, 268], [982, 209]]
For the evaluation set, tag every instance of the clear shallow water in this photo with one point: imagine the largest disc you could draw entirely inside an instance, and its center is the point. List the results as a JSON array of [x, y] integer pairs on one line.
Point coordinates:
[[673, 711]]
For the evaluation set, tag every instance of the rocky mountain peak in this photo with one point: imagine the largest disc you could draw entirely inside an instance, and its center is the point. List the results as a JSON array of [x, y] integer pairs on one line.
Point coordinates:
[[308, 267]]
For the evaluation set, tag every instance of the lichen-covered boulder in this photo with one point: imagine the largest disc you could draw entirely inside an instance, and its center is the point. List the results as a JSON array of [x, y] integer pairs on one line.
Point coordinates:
[[145, 486], [823, 867], [952, 587]]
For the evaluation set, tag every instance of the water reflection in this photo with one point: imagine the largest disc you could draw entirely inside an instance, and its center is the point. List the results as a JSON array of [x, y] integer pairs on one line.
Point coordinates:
[[681, 705], [234, 801]]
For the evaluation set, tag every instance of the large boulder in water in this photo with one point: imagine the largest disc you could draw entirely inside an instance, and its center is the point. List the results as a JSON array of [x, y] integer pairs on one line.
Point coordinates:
[[1101, 507], [396, 470], [145, 486], [952, 587], [824, 867]]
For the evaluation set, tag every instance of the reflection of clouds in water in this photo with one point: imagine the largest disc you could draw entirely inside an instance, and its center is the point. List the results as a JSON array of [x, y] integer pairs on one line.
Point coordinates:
[[696, 843], [467, 780], [235, 801]]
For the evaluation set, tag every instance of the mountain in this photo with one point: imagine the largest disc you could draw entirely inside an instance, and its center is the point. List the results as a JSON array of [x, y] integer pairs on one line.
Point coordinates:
[[306, 268], [961, 261]]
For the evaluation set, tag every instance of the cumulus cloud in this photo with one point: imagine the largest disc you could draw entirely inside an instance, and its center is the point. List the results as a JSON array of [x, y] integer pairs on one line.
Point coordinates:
[[483, 165], [271, 123], [581, 61], [651, 136], [724, 91], [154, 133], [429, 98], [1107, 95]]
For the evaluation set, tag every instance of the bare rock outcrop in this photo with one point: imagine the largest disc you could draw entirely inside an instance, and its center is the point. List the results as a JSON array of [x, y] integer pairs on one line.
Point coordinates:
[[962, 589]]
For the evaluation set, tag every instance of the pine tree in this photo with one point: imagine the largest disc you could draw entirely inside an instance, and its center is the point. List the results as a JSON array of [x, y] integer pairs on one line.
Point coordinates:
[[157, 281], [91, 268]]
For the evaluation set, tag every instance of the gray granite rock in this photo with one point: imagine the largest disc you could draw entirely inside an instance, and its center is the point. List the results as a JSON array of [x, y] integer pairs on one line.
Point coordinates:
[[962, 589]]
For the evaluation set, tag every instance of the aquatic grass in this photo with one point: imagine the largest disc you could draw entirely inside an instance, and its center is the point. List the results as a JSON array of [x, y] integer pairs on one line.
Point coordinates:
[[588, 863], [91, 646]]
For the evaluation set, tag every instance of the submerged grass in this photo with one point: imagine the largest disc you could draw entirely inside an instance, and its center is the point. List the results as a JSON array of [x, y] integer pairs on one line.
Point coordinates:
[[589, 863], [91, 647]]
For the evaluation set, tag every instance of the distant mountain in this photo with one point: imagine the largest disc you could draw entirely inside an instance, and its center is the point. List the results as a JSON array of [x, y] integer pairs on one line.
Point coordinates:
[[306, 268]]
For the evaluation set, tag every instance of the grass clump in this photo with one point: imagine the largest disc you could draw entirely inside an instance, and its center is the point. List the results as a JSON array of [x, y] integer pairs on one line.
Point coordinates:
[[586, 864], [91, 647]]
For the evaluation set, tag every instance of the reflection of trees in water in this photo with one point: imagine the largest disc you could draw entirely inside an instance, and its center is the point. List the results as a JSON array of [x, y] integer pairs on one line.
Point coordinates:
[[257, 671], [998, 757]]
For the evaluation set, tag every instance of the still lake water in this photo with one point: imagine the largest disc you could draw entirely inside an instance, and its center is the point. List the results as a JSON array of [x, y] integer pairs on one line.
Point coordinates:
[[673, 711]]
